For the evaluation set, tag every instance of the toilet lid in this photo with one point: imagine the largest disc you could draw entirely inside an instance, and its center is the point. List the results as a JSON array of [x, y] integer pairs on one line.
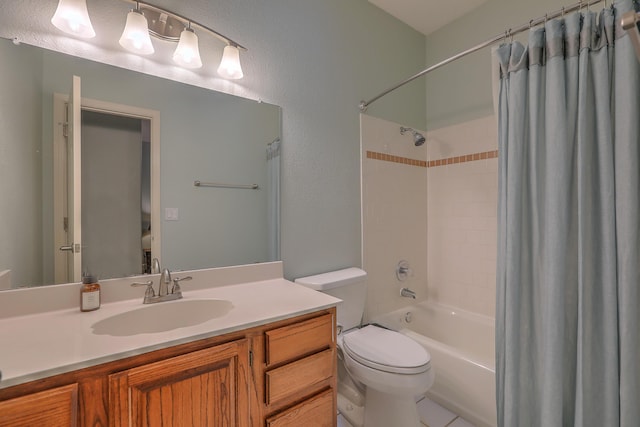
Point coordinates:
[[386, 350]]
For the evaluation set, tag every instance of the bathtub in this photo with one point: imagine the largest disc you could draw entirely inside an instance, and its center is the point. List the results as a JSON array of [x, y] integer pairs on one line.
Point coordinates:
[[462, 350]]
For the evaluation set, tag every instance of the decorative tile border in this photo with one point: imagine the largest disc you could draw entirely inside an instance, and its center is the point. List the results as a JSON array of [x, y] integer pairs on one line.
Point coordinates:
[[465, 158], [432, 163], [396, 159]]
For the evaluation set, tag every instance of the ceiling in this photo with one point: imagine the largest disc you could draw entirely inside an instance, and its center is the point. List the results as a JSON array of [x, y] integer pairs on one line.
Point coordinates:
[[427, 16]]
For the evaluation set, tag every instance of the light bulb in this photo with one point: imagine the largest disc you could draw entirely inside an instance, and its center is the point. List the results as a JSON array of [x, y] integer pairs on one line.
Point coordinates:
[[72, 17], [230, 64], [187, 53], [135, 37]]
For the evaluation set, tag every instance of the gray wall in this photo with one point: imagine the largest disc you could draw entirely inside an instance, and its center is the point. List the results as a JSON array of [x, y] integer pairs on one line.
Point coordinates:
[[317, 59], [20, 163], [461, 91]]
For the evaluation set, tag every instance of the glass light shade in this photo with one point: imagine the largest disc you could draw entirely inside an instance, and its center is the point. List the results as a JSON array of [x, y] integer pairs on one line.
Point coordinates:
[[135, 37], [187, 53], [72, 17], [230, 64]]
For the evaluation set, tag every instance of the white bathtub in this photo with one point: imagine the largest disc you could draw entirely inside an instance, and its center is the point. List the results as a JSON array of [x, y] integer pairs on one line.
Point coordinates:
[[462, 350]]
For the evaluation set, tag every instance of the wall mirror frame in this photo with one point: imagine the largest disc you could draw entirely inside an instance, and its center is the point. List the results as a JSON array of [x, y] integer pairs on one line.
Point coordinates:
[[212, 227]]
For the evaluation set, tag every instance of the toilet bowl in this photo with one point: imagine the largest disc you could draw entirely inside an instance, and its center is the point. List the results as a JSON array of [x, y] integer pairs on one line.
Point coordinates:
[[389, 367], [393, 370]]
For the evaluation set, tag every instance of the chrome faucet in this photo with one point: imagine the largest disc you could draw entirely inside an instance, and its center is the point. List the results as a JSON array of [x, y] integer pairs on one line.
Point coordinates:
[[155, 266], [150, 296], [408, 293], [165, 280]]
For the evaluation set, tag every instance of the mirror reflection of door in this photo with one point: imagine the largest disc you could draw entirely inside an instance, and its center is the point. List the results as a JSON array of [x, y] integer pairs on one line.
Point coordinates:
[[104, 186], [116, 205], [73, 206]]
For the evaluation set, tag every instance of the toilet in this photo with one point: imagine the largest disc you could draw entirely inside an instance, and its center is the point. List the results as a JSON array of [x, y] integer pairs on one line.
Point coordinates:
[[380, 371]]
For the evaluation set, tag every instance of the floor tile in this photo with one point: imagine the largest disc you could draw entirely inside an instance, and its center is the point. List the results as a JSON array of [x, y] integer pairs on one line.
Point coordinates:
[[342, 422], [433, 414], [459, 422]]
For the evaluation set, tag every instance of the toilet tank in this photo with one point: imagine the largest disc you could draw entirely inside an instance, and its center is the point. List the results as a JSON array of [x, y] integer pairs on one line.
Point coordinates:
[[349, 285]]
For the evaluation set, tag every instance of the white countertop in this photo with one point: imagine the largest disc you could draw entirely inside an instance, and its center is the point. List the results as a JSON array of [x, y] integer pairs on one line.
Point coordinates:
[[39, 345]]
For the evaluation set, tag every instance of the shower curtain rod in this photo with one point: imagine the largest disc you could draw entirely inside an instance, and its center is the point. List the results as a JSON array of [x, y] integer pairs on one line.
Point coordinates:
[[508, 33]]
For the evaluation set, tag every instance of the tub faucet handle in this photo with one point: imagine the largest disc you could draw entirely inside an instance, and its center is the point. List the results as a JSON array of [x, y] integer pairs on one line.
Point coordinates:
[[403, 270]]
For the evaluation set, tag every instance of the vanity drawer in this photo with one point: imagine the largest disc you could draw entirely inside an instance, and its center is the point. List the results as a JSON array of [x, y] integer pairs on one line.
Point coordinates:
[[297, 340], [317, 411], [293, 378]]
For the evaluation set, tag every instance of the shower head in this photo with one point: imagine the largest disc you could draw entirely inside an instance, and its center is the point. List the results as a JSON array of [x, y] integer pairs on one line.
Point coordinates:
[[418, 138]]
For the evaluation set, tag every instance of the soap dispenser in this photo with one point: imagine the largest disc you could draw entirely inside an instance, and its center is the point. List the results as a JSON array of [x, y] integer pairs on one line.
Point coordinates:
[[89, 294]]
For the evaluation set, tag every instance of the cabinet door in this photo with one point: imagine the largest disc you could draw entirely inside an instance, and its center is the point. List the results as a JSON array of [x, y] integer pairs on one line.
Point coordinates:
[[204, 388], [49, 408]]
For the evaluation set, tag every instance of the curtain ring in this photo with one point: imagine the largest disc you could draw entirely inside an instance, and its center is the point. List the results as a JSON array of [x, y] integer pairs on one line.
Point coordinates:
[[563, 11]]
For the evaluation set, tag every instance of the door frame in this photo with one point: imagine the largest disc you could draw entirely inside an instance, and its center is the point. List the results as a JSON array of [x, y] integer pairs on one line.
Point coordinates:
[[61, 275]]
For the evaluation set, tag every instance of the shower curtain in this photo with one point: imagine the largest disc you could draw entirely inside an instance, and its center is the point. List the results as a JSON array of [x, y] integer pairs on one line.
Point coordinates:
[[568, 278]]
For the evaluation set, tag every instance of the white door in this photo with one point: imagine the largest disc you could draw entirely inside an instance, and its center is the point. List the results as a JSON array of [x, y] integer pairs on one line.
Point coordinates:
[[74, 216]]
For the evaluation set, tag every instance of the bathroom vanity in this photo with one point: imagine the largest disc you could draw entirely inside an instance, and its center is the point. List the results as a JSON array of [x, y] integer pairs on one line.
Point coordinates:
[[269, 359]]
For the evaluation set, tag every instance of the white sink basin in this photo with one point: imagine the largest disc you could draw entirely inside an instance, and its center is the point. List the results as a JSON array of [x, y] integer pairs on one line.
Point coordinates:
[[162, 317]]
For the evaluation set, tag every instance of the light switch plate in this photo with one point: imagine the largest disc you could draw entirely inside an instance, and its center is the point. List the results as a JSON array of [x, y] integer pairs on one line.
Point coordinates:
[[171, 214]]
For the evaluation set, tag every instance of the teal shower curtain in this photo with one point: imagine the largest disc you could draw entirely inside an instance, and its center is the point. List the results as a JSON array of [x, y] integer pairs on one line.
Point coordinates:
[[568, 278]]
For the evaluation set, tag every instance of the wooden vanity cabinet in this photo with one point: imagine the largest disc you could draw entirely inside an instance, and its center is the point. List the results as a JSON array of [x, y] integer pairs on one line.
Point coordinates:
[[300, 374], [282, 374], [206, 388], [49, 408]]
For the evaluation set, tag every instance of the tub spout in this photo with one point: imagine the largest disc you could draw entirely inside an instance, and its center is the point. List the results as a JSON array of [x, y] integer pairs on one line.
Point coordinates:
[[408, 293]]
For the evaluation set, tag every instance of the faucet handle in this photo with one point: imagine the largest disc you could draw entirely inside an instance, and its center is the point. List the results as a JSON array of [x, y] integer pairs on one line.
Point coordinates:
[[176, 284], [403, 270], [149, 292]]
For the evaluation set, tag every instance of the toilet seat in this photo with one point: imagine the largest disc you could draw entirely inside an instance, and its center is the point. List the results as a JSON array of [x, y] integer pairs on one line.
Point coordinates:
[[386, 350]]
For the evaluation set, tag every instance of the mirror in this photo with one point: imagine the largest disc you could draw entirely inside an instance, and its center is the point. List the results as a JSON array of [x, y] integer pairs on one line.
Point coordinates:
[[204, 136]]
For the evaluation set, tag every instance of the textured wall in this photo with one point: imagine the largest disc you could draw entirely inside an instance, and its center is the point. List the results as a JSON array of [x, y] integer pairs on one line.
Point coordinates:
[[20, 176], [461, 91]]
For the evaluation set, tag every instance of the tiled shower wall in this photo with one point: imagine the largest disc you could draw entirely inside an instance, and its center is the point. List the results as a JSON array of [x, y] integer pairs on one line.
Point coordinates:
[[434, 206], [461, 216], [394, 200]]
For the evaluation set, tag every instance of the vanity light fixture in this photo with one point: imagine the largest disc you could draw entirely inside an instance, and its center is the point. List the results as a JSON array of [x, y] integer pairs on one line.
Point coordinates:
[[172, 27], [187, 53], [72, 18], [147, 19], [135, 37], [230, 64]]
